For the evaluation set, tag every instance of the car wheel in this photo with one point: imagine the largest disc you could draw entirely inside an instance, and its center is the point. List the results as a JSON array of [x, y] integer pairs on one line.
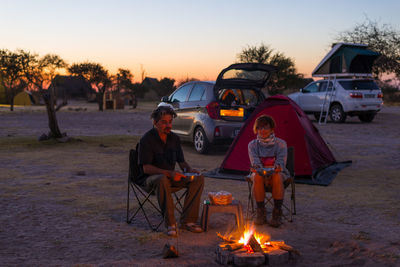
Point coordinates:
[[337, 114], [366, 117], [200, 141]]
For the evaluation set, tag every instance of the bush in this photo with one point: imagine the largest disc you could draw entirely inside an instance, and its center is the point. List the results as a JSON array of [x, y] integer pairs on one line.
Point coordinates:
[[391, 94]]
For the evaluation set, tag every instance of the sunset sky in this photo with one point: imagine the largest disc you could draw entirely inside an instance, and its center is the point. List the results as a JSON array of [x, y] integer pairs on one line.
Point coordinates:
[[182, 39]]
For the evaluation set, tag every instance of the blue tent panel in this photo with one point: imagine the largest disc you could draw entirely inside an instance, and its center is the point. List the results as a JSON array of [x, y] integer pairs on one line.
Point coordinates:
[[346, 59]]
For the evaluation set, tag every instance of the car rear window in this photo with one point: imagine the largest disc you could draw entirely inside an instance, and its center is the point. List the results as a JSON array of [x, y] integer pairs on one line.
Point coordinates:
[[250, 75], [239, 97], [359, 85]]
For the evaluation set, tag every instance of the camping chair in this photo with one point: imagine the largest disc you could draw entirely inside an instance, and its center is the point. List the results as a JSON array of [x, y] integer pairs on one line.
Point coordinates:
[[290, 208], [143, 198]]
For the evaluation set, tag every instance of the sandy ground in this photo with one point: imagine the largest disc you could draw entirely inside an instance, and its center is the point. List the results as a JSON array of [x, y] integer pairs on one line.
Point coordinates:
[[64, 204]]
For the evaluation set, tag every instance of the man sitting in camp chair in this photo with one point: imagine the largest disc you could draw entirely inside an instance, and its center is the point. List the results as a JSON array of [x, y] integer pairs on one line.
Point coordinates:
[[268, 151], [159, 150]]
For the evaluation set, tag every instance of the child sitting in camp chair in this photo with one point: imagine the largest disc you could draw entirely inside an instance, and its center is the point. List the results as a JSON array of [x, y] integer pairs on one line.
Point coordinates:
[[268, 151]]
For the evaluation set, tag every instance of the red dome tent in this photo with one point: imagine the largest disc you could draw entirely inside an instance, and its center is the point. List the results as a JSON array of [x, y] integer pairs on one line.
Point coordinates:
[[313, 159]]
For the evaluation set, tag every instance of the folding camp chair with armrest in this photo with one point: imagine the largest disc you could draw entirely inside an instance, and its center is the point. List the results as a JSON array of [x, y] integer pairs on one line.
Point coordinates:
[[291, 207], [144, 198]]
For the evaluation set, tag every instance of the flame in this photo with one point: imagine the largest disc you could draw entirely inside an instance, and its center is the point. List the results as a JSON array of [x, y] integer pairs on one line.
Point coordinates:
[[263, 239], [259, 237], [249, 231]]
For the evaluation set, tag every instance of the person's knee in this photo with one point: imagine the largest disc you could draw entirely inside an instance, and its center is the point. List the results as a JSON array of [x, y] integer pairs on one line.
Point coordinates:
[[200, 179], [258, 179], [277, 178], [163, 181]]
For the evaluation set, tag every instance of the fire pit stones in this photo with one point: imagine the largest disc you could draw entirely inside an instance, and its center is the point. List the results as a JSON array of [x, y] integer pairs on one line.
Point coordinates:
[[242, 257]]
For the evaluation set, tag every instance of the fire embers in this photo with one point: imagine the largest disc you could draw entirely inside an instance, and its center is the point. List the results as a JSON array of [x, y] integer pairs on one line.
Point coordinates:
[[253, 249]]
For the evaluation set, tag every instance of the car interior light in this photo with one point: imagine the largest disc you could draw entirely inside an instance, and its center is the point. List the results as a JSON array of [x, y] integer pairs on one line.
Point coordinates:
[[232, 112]]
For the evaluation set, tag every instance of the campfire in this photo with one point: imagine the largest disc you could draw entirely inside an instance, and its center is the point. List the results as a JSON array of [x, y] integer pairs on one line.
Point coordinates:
[[253, 248]]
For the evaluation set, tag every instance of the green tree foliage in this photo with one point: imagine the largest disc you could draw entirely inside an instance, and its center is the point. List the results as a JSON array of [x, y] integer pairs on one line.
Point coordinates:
[[186, 80], [124, 80], [285, 78], [162, 87], [140, 90], [166, 87], [382, 38], [11, 74], [96, 75]]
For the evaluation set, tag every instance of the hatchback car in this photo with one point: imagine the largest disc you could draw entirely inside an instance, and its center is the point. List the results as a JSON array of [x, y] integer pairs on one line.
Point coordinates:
[[213, 112], [350, 97]]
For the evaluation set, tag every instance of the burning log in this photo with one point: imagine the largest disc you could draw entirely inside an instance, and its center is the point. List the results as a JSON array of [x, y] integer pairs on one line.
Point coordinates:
[[255, 246], [234, 246], [226, 239]]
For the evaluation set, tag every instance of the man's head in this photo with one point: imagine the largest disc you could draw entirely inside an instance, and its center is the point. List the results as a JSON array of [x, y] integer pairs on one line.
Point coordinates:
[[162, 119], [264, 126]]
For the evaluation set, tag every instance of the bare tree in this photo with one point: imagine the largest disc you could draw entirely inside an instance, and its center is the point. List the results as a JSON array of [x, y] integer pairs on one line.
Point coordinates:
[[97, 76], [11, 74], [40, 73], [142, 72]]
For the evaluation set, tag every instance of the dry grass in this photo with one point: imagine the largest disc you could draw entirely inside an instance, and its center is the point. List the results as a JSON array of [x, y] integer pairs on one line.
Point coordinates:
[[66, 202]]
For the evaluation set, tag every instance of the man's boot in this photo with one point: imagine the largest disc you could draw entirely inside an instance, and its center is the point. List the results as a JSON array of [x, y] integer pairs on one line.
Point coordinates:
[[276, 220], [261, 216]]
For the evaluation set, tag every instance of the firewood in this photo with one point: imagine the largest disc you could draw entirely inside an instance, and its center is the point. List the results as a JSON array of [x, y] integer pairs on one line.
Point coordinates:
[[289, 248], [226, 239], [255, 246], [234, 246]]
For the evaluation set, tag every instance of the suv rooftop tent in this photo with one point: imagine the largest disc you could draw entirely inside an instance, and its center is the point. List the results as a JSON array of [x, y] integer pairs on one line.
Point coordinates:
[[346, 60]]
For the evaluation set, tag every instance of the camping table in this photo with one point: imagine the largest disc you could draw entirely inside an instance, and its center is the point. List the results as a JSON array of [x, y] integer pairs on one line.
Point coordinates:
[[235, 207]]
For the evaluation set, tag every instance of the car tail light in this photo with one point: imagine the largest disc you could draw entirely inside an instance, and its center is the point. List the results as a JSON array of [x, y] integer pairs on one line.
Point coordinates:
[[217, 131], [213, 110], [356, 95], [380, 95]]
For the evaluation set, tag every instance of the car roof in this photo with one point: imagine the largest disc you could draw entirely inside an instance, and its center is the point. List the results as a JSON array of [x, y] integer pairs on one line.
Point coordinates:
[[210, 82]]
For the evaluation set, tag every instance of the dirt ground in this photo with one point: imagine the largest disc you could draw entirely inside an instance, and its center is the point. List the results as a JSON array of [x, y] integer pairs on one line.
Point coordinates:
[[64, 204]]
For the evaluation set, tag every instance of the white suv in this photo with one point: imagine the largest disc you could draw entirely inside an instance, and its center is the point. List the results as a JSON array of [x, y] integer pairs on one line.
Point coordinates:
[[350, 97]]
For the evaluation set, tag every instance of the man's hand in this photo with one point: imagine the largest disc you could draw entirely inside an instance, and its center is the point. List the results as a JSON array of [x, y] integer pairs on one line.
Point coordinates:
[[278, 168], [177, 176], [195, 171]]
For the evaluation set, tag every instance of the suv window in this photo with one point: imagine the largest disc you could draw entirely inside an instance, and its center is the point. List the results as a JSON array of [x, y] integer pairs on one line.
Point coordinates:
[[181, 94], [312, 88], [322, 86], [197, 92], [359, 85]]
